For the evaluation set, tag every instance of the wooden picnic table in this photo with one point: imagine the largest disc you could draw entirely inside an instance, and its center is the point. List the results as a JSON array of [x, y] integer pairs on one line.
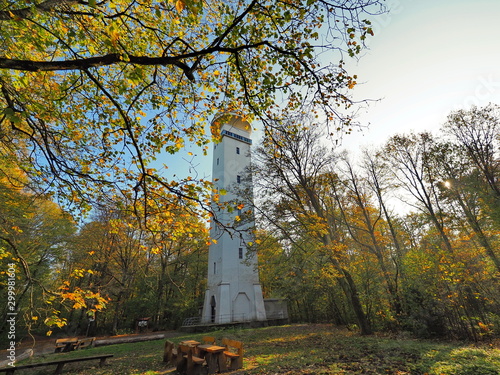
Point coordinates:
[[190, 343], [66, 345], [188, 363], [192, 356]]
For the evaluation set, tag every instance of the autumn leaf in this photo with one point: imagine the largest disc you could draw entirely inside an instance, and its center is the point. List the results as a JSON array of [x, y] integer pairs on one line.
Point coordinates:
[[179, 5]]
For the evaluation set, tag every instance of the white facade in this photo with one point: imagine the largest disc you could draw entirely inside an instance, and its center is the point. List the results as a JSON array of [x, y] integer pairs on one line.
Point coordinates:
[[233, 291]]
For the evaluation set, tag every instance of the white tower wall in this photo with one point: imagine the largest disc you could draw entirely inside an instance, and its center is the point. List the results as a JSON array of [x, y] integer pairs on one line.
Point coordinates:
[[233, 289]]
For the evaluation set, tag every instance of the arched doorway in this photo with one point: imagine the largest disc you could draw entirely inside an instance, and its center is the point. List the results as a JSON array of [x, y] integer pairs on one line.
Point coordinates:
[[212, 309]]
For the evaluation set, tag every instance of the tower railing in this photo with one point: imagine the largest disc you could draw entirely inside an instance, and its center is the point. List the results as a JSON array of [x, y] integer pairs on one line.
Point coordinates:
[[276, 315], [220, 319], [237, 136], [193, 321]]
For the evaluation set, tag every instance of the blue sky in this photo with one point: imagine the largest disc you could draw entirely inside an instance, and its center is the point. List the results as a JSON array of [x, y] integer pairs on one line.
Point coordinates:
[[427, 58]]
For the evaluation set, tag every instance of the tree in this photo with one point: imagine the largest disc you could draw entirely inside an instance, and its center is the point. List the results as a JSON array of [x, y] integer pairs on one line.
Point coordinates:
[[409, 157], [94, 94], [34, 235], [300, 272], [294, 170], [174, 281], [379, 182], [477, 132], [458, 291], [98, 90], [464, 190], [141, 273], [367, 227]]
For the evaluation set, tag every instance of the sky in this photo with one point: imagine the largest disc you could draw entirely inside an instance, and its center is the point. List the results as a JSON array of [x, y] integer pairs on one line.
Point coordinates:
[[426, 59]]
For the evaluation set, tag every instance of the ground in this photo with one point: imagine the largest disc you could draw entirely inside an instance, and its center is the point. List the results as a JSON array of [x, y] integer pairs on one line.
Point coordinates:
[[45, 345]]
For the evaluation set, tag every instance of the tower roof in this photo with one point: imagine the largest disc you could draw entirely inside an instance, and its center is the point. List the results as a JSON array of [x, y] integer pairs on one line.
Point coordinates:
[[233, 121]]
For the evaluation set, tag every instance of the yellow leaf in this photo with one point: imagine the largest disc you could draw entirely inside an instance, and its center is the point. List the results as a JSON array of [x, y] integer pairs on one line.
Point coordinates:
[[179, 5], [115, 35]]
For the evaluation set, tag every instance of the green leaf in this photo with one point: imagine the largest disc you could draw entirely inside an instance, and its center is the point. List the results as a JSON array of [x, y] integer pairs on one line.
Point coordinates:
[[12, 115]]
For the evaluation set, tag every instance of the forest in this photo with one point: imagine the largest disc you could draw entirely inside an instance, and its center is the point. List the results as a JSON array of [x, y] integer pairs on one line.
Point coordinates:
[[404, 238], [97, 98]]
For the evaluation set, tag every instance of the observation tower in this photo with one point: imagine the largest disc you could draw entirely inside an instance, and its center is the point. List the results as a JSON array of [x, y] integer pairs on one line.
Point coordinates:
[[233, 291]]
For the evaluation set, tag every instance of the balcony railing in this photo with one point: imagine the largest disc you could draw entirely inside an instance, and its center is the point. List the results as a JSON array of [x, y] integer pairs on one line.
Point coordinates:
[[237, 136], [220, 319]]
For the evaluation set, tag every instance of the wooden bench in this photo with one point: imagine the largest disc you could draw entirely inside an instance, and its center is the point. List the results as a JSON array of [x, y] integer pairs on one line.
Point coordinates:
[[65, 345], [84, 343], [60, 364], [233, 353], [208, 340], [170, 353], [73, 343], [187, 362]]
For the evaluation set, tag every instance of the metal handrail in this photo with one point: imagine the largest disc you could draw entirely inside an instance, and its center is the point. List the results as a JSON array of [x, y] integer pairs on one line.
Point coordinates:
[[276, 315], [230, 318], [193, 321]]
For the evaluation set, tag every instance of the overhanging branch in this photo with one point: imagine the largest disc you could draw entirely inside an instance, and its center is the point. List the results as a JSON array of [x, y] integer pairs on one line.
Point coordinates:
[[46, 6], [116, 58]]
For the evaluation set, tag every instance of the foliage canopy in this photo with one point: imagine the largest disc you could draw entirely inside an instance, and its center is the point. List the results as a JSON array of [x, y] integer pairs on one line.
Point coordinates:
[[94, 91]]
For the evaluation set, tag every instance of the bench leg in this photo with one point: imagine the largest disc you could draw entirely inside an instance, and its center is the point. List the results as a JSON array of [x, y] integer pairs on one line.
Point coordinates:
[[172, 359], [165, 355], [211, 362], [102, 362], [193, 369], [236, 363], [59, 368], [222, 362], [181, 364]]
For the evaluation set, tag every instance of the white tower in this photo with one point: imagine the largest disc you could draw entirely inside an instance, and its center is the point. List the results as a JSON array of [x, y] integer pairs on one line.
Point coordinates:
[[233, 291]]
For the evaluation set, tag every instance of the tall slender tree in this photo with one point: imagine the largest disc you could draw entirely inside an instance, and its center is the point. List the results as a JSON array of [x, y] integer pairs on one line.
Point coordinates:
[[294, 169], [367, 228], [408, 157]]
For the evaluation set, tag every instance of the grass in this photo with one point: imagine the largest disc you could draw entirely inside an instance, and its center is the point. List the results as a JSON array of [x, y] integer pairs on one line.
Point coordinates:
[[308, 349]]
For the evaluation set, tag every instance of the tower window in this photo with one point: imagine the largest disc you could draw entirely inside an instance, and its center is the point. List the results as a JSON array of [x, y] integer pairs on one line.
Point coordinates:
[[238, 179], [217, 161], [215, 268], [237, 150], [240, 253]]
